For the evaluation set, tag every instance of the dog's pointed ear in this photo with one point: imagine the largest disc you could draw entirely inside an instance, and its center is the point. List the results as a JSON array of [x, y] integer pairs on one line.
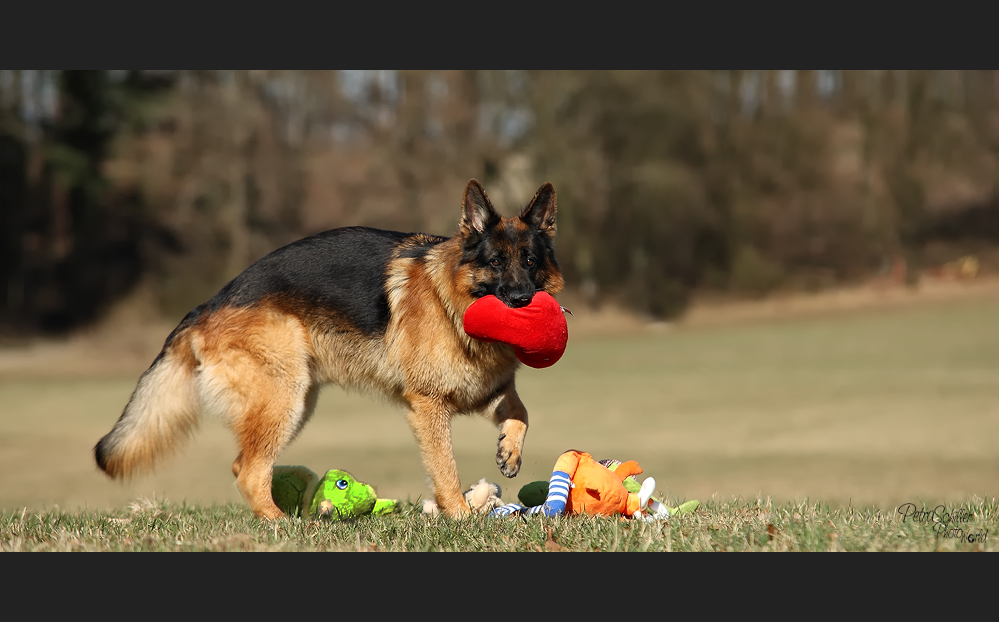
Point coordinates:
[[540, 213], [477, 213]]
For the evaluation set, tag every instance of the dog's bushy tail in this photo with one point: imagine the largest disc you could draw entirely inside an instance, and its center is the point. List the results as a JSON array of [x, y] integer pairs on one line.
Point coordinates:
[[161, 414]]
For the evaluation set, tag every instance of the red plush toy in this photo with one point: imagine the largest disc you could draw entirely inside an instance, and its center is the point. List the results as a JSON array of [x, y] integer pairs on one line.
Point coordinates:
[[537, 332]]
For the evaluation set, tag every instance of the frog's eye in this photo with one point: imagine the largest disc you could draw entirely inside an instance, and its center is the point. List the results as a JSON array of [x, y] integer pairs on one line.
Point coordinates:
[[341, 484]]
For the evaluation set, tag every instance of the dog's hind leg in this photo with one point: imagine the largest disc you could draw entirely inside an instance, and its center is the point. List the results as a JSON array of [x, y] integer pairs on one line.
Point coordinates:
[[509, 414], [430, 421], [257, 378], [262, 434]]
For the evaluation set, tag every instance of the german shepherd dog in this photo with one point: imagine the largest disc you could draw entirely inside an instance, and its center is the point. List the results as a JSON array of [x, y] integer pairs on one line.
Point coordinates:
[[357, 307]]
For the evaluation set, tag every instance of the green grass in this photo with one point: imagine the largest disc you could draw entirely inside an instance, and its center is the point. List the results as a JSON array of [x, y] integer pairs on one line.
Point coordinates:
[[736, 525], [859, 410]]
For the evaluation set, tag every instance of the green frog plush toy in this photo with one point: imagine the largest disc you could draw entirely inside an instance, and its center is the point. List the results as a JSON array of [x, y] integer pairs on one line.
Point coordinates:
[[336, 496]]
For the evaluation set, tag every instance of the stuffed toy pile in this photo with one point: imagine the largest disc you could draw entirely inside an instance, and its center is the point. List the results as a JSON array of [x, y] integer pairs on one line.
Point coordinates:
[[581, 485]]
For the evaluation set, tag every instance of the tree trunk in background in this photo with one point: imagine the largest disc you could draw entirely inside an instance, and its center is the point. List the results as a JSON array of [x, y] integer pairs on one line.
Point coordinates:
[[805, 89], [850, 92], [239, 125], [890, 86], [773, 99], [461, 116], [409, 148], [13, 210], [905, 184], [735, 81]]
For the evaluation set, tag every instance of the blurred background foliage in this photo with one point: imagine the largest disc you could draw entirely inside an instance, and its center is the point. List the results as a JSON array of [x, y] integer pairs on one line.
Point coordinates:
[[671, 184]]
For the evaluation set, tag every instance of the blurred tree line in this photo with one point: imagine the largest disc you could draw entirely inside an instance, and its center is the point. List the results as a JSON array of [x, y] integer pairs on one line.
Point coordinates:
[[670, 183]]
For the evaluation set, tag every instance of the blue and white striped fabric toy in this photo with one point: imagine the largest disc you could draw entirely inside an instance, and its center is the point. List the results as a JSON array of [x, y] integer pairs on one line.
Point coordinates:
[[558, 495]]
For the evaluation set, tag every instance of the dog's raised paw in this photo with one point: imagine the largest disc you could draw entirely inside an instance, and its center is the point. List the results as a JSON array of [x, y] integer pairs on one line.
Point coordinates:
[[507, 459]]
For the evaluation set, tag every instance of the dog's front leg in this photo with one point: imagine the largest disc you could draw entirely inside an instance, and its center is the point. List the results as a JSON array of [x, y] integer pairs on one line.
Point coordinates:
[[509, 414], [430, 421]]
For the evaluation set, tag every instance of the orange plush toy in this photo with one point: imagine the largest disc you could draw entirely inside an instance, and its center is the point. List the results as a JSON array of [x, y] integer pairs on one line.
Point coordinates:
[[581, 485], [596, 490]]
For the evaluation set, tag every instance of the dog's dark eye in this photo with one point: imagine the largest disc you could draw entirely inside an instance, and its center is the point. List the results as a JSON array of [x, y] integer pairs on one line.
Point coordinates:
[[496, 263], [341, 484], [529, 261]]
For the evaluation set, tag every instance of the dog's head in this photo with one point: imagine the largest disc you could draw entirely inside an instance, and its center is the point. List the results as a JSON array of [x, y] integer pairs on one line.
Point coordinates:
[[510, 258]]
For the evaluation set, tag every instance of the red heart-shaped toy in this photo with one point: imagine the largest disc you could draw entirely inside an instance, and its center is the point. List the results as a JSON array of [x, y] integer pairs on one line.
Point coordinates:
[[537, 332]]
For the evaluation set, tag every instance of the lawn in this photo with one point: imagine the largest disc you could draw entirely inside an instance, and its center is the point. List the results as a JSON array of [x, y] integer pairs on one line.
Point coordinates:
[[840, 412]]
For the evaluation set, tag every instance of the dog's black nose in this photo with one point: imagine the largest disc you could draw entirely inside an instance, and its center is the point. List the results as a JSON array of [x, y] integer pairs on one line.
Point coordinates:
[[520, 300]]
